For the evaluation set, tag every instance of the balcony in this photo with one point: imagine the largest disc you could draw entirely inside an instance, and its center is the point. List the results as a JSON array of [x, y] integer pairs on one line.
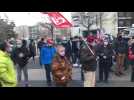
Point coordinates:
[[124, 17], [123, 27]]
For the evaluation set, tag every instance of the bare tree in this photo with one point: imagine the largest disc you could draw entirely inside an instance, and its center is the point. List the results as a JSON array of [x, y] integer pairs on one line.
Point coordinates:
[[87, 19], [49, 26], [6, 29]]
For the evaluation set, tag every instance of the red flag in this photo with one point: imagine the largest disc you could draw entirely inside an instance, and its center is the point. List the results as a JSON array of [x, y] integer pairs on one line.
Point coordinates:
[[59, 20]]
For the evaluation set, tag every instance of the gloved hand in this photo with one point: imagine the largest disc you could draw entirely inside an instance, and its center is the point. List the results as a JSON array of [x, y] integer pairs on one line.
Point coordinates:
[[97, 58], [63, 78], [113, 57], [104, 57]]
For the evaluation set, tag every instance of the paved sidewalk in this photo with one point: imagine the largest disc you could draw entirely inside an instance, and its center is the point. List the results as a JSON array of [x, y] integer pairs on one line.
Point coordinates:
[[37, 78]]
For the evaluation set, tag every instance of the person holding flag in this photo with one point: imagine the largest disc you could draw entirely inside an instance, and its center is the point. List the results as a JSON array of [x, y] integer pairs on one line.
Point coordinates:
[[89, 63]]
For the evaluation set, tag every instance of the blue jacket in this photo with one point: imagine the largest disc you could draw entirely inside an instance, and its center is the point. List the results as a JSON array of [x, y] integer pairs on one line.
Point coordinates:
[[47, 54]]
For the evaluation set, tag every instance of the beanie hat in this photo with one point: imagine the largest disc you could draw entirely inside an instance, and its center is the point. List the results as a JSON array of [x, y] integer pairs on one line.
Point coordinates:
[[50, 41]]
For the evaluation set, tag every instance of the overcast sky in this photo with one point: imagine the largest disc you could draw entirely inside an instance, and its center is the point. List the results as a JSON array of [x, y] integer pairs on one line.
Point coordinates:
[[29, 18]]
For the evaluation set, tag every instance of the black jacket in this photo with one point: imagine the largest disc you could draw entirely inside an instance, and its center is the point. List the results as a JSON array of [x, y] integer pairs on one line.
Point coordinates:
[[40, 44], [105, 51], [121, 46], [21, 61], [87, 60], [32, 49], [74, 47]]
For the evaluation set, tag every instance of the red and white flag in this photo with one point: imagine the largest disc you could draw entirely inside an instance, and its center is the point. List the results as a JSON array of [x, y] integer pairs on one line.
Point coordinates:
[[58, 20]]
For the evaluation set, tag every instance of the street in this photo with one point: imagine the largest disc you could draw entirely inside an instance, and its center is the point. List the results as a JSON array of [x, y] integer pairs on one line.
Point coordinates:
[[106, 35], [37, 78]]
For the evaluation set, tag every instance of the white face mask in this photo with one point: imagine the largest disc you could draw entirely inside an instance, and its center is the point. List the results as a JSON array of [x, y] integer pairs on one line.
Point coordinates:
[[18, 46], [93, 44], [62, 53], [106, 43], [45, 41], [50, 45], [9, 49]]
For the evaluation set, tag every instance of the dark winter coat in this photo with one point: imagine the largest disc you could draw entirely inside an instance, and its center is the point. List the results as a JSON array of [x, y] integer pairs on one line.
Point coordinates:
[[74, 46], [21, 61], [121, 46], [88, 60], [32, 49], [105, 51], [41, 44], [61, 67]]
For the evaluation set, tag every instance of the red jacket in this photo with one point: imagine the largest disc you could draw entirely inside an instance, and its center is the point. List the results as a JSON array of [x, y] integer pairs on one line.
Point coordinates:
[[130, 54]]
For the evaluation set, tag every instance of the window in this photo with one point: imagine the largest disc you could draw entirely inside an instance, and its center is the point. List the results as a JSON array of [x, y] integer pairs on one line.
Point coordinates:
[[121, 23], [128, 14], [127, 22]]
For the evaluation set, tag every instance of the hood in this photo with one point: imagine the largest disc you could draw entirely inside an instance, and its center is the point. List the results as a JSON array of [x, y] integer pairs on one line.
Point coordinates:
[[3, 54]]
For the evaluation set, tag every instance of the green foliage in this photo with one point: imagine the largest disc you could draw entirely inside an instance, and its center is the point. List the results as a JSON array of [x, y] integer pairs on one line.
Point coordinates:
[[6, 29]]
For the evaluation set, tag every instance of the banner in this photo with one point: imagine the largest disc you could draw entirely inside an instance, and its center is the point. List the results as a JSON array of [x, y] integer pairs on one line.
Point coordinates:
[[58, 20]]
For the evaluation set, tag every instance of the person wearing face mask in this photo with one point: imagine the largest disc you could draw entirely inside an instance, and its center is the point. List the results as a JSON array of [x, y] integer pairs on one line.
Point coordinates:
[[9, 47], [7, 72], [89, 63], [21, 56], [61, 68], [46, 56], [105, 54], [41, 43]]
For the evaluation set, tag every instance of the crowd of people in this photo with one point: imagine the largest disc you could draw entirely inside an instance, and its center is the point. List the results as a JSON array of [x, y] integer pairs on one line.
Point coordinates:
[[58, 59]]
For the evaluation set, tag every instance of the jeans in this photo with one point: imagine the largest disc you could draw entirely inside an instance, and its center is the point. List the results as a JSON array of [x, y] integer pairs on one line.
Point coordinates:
[[25, 71], [33, 59], [48, 72]]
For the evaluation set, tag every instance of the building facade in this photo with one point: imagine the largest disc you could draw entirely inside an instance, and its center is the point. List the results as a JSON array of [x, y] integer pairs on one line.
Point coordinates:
[[125, 20], [109, 22], [106, 21], [22, 32]]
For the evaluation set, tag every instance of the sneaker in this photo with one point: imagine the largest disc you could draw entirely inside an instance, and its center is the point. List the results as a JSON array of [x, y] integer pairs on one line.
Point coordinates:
[[27, 85], [75, 65]]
